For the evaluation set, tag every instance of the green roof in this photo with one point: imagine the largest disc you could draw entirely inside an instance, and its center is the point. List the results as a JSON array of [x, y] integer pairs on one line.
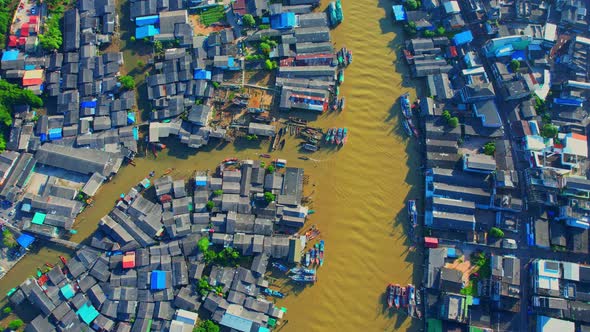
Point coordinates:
[[434, 325], [475, 329], [38, 218]]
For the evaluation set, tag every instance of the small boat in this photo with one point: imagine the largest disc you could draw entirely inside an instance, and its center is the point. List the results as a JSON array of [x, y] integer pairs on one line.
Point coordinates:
[[341, 104], [398, 293], [63, 260], [280, 163], [307, 258], [167, 171], [349, 57], [298, 120], [310, 147], [317, 253], [280, 267], [329, 135], [39, 273], [11, 291], [341, 77], [411, 301], [404, 297], [337, 91], [339, 136], [407, 128], [345, 136], [49, 265], [265, 155], [303, 158], [301, 270], [405, 105], [274, 293], [390, 295], [413, 213], [312, 233], [312, 255], [321, 252], [303, 278]]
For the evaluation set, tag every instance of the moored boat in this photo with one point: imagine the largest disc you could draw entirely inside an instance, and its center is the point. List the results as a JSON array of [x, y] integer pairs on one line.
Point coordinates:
[[280, 267], [407, 128], [274, 293], [341, 77], [339, 12], [303, 278], [349, 57], [11, 291], [344, 136], [398, 293], [341, 104], [404, 296], [49, 265], [280, 163], [63, 260], [411, 302], [303, 158], [339, 136], [310, 147], [39, 273], [412, 212], [329, 135], [307, 258], [405, 105], [333, 137], [317, 253], [390, 295], [264, 155], [312, 233], [312, 255], [321, 252], [301, 270]]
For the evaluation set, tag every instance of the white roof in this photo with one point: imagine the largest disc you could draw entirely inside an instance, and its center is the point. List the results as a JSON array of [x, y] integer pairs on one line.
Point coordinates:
[[545, 271], [548, 283], [550, 32], [548, 324], [582, 40], [452, 7], [571, 271], [575, 145]]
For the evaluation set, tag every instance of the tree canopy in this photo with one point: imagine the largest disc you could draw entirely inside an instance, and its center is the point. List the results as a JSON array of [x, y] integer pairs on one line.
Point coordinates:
[[270, 65], [52, 38], [489, 148], [265, 47], [549, 131], [412, 4], [453, 122], [514, 65], [15, 324], [206, 326], [127, 82], [496, 232], [269, 197], [5, 19], [248, 20], [203, 244], [11, 95]]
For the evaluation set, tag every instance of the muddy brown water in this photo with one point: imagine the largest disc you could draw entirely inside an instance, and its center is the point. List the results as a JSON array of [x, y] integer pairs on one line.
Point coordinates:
[[359, 191]]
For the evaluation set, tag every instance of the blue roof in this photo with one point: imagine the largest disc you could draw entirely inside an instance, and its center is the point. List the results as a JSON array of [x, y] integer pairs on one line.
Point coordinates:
[[88, 313], [568, 102], [518, 55], [147, 20], [201, 74], [130, 117], [88, 104], [55, 133], [451, 252], [463, 38], [158, 279], [399, 13], [10, 55], [236, 322], [25, 240], [67, 291], [282, 21], [146, 31], [230, 62]]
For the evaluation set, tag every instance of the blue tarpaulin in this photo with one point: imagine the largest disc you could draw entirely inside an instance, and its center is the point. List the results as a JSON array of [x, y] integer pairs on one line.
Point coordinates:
[[201, 74], [43, 137], [518, 55], [158, 279], [67, 291], [25, 240], [568, 102], [399, 13], [282, 21], [88, 104], [135, 133], [29, 67], [146, 31], [463, 38], [55, 133], [147, 20], [10, 55], [130, 117]]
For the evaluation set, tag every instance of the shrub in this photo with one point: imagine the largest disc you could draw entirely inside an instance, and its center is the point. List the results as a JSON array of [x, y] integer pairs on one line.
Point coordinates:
[[270, 65], [489, 148], [428, 33], [549, 131], [140, 64], [514, 65], [218, 192], [412, 4], [440, 31], [265, 47], [7, 310], [158, 47], [269, 197], [127, 82], [270, 169], [132, 38], [203, 244], [446, 115], [453, 122], [248, 20], [263, 26], [216, 85], [15, 324], [496, 232], [210, 205]]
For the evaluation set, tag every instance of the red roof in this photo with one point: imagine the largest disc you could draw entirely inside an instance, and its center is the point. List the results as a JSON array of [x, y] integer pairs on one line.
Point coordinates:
[[32, 81], [12, 41], [24, 30], [430, 242], [33, 19], [314, 56], [22, 40], [129, 261], [239, 7], [578, 136]]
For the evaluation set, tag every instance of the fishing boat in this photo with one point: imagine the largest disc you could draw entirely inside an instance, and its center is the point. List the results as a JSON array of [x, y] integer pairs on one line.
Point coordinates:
[[418, 303], [11, 291], [339, 136], [312, 233], [407, 128], [333, 138], [413, 128], [390, 295], [310, 147], [404, 297], [307, 258], [321, 252], [312, 255], [167, 171], [301, 270], [341, 104], [412, 212], [39, 273], [349, 57], [49, 265], [303, 278], [280, 267], [339, 12], [303, 158], [329, 135], [398, 293], [274, 293], [63, 260], [280, 163], [337, 91], [344, 136], [341, 77], [264, 155], [405, 105]]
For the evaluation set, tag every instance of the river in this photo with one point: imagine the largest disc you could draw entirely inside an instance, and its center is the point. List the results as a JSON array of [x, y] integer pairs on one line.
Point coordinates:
[[359, 191]]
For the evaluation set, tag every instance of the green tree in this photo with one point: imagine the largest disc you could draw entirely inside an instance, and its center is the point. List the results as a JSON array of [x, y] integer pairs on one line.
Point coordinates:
[[140, 64], [248, 20], [210, 205], [206, 326], [203, 244], [8, 239], [489, 148], [127, 82], [446, 115], [412, 4], [269, 197], [270, 169], [210, 256], [496, 232], [218, 192], [265, 48], [158, 47], [549, 131], [52, 38], [132, 38], [7, 310], [514, 65], [203, 286], [453, 122], [15, 324], [428, 33], [440, 31], [216, 85]]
